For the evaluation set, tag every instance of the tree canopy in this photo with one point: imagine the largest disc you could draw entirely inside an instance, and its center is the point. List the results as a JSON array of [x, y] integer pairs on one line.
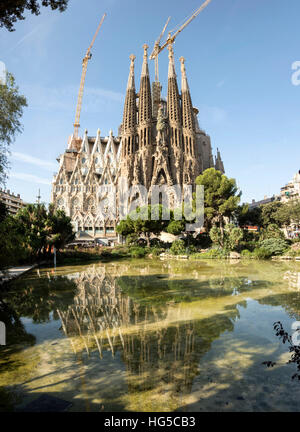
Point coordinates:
[[13, 10], [32, 233], [144, 223], [221, 197], [11, 110]]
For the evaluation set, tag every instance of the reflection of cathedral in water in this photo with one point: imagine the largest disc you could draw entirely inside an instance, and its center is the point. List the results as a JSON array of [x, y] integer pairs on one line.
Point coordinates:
[[293, 278], [157, 347]]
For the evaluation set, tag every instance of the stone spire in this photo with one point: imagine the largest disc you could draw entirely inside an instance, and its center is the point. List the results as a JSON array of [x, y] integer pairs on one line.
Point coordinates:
[[129, 116], [145, 122], [219, 163], [174, 114], [188, 121], [129, 119], [145, 104], [171, 71], [130, 83], [192, 158], [173, 93], [145, 69]]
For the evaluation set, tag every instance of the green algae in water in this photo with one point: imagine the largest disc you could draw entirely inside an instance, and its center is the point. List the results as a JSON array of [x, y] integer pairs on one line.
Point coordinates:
[[151, 335]]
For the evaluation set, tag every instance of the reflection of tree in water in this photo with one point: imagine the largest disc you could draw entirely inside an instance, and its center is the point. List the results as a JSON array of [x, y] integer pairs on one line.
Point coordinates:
[[15, 331], [290, 299], [160, 348], [37, 298]]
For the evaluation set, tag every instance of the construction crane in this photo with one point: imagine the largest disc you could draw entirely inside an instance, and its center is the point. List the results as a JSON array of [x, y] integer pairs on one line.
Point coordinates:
[[156, 50], [85, 61], [171, 38]]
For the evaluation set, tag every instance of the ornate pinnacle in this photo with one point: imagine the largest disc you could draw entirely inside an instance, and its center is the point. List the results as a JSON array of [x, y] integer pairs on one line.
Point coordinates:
[[130, 83], [145, 46], [182, 60], [184, 84], [145, 71], [171, 51]]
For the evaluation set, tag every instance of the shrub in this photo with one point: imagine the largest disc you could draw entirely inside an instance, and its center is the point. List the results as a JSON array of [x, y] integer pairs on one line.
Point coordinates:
[[156, 251], [261, 253], [211, 254], [138, 252], [176, 227], [272, 231], [132, 239], [275, 246], [178, 247], [203, 240], [246, 253], [232, 236]]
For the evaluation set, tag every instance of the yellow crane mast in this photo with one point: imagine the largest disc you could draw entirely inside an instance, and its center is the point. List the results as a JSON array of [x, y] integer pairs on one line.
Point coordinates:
[[171, 38], [156, 48], [85, 61]]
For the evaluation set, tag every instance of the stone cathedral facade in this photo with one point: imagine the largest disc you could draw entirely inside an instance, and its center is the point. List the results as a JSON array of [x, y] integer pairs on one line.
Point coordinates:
[[159, 143]]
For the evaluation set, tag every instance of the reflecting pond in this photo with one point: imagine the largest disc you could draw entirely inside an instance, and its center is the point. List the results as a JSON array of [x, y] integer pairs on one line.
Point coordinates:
[[151, 335]]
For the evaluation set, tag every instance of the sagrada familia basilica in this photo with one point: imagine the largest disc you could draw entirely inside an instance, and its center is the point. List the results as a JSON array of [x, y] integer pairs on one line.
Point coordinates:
[[159, 143]]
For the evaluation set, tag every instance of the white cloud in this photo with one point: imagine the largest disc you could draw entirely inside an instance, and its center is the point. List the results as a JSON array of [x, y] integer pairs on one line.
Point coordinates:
[[34, 161], [30, 178], [65, 98], [26, 36]]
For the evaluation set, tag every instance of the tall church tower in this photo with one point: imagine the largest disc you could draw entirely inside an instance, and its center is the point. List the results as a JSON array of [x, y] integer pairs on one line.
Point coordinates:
[[191, 165], [129, 125], [175, 124], [145, 121]]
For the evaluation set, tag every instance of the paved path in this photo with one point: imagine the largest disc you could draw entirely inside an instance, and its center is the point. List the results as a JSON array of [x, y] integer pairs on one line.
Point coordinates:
[[15, 272]]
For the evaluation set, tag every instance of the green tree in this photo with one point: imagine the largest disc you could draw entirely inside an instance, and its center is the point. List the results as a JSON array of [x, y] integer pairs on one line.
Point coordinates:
[[142, 222], [60, 230], [292, 211], [41, 229], [232, 236], [178, 247], [248, 216], [272, 213], [12, 246], [176, 227], [221, 198], [13, 10], [125, 227], [274, 246], [271, 231], [3, 211], [11, 110]]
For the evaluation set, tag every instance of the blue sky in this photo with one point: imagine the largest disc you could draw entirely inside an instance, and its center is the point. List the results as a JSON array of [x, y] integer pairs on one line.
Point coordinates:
[[239, 56]]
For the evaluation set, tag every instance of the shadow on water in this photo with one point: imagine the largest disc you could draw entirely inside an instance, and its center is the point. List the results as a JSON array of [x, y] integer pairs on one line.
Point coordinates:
[[131, 342]]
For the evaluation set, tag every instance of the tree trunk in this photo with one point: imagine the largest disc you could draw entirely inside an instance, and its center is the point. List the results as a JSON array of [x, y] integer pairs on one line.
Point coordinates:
[[222, 231], [148, 239]]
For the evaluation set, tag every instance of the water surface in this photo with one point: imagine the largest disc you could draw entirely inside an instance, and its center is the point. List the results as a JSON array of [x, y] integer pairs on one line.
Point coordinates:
[[151, 335]]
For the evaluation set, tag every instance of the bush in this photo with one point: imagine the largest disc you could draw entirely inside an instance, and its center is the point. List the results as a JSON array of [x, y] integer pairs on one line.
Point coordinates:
[[261, 253], [249, 245], [138, 252], [274, 246], [156, 251], [232, 236], [132, 239], [178, 247], [203, 240], [246, 253], [272, 231], [156, 242], [211, 254]]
